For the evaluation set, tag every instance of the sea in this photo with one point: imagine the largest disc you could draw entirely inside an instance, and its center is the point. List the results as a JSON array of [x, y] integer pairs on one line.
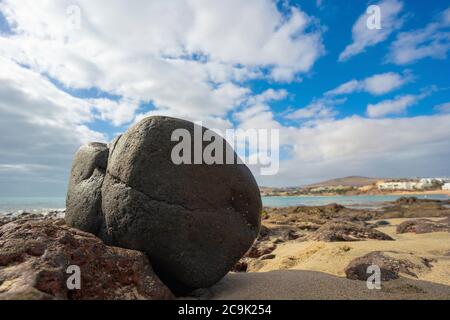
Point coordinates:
[[34, 204], [363, 201], [31, 204]]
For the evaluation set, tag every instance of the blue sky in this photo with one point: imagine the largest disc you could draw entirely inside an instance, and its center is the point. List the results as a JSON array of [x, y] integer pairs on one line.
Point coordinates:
[[338, 18], [347, 100]]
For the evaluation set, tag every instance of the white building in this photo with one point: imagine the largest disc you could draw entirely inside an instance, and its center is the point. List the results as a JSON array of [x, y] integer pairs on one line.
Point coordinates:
[[400, 185], [446, 186], [430, 181]]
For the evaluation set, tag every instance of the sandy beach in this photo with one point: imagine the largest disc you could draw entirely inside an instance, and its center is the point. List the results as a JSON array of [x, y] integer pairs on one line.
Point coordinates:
[[299, 269]]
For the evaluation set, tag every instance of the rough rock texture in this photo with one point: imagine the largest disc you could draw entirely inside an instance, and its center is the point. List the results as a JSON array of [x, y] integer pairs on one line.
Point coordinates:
[[423, 226], [4, 219], [35, 254], [391, 265], [194, 221], [84, 199], [346, 231]]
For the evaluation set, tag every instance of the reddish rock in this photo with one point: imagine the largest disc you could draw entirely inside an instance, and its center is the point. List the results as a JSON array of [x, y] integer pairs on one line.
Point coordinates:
[[423, 226], [260, 249], [391, 266], [241, 265], [346, 231], [35, 255]]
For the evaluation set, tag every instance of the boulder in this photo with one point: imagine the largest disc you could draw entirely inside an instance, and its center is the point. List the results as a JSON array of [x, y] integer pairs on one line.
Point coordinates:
[[346, 231], [84, 199], [194, 221], [406, 200], [35, 256], [423, 226], [391, 265]]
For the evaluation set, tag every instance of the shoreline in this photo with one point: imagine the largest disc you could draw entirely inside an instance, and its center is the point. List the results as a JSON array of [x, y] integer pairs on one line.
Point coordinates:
[[26, 209], [399, 193]]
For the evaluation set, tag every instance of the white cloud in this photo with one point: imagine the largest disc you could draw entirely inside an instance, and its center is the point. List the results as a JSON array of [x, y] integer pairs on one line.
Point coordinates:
[[258, 116], [153, 57], [361, 146], [443, 108], [395, 106], [268, 95], [117, 112], [446, 17], [346, 88], [432, 41], [377, 85], [363, 37], [384, 83], [189, 59], [185, 58], [41, 128], [265, 39], [318, 109]]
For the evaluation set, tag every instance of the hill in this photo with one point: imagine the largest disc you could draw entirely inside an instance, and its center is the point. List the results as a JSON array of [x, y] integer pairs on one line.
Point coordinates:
[[353, 181]]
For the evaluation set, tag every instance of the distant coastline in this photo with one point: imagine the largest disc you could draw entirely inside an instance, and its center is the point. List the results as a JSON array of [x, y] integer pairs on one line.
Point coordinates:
[[380, 193]]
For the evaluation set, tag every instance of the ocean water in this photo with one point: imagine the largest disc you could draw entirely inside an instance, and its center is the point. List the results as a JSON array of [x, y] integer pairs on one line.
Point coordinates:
[[12, 204], [54, 203], [349, 201]]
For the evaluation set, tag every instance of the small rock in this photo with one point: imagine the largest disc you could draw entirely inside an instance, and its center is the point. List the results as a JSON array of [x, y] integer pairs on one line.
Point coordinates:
[[390, 264], [406, 200], [241, 265], [268, 257], [381, 223], [346, 231], [423, 226], [260, 248]]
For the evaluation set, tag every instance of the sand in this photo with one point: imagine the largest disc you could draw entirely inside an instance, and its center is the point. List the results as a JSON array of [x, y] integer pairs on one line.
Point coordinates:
[[315, 270]]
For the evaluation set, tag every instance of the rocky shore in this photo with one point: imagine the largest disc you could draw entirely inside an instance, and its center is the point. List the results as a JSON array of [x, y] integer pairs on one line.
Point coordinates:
[[328, 249], [139, 225], [141, 221], [36, 254], [409, 239]]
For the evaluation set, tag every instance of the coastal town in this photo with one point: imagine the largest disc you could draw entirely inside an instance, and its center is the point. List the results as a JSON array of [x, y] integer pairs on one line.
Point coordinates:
[[365, 186]]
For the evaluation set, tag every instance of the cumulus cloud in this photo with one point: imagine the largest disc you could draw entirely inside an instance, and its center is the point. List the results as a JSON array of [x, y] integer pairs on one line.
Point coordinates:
[[357, 145], [396, 106], [318, 109], [153, 47], [443, 108], [117, 112], [363, 37], [190, 59], [196, 66], [185, 58], [41, 128], [377, 84], [432, 41]]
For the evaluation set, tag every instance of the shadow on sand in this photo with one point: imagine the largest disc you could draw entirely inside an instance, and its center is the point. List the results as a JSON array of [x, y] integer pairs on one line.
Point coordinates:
[[311, 285]]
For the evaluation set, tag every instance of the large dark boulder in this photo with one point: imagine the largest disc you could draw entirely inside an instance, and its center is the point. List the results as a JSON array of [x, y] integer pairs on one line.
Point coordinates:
[[194, 221]]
